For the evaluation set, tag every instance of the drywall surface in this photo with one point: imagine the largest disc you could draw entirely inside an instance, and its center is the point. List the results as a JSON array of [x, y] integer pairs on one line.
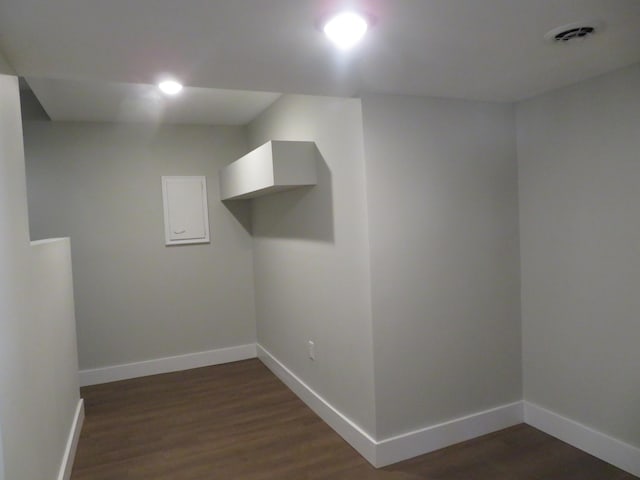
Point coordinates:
[[443, 210], [51, 351], [137, 299], [273, 167], [2, 477], [39, 374], [5, 68], [311, 256], [14, 284], [579, 169]]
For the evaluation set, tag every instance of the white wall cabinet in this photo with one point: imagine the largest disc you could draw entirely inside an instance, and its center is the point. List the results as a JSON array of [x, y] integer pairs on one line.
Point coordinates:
[[272, 167], [186, 216]]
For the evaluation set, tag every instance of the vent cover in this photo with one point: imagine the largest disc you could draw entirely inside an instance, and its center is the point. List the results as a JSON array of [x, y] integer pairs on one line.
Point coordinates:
[[574, 31]]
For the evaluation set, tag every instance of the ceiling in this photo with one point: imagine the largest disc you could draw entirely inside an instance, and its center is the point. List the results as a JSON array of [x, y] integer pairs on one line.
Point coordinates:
[[490, 50], [96, 101]]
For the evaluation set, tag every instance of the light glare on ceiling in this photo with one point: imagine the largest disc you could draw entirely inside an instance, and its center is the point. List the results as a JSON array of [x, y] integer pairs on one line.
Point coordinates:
[[170, 87], [346, 29]]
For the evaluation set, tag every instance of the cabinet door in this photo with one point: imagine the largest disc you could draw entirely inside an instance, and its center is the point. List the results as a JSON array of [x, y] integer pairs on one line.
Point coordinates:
[[186, 217]]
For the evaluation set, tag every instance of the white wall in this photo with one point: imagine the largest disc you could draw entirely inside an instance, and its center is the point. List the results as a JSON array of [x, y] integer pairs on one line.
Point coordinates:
[[5, 69], [2, 477], [311, 256], [443, 210], [137, 299], [579, 163], [38, 375], [51, 355]]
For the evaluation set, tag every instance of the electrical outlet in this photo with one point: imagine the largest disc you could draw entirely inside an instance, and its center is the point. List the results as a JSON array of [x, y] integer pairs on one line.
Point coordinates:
[[311, 349]]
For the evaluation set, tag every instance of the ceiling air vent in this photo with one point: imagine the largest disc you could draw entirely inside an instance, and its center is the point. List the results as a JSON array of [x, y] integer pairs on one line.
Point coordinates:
[[574, 31]]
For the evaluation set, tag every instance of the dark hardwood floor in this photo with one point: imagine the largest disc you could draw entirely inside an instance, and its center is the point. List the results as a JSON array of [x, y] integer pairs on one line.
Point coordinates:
[[238, 421]]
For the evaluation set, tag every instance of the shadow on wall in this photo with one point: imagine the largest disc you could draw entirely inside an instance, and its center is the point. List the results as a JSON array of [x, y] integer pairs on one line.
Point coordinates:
[[303, 213], [241, 210]]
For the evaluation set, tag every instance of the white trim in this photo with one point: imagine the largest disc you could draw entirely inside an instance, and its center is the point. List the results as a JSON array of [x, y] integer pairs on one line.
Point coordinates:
[[377, 452], [167, 364], [346, 428], [598, 444], [435, 437], [72, 443], [397, 448]]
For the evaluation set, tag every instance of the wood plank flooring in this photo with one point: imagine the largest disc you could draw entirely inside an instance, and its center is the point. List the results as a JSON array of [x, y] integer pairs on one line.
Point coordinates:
[[239, 422]]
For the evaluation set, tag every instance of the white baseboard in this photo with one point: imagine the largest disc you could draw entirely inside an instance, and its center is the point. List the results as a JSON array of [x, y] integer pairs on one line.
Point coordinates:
[[167, 364], [435, 437], [347, 429], [72, 443], [391, 450], [377, 452], [598, 444]]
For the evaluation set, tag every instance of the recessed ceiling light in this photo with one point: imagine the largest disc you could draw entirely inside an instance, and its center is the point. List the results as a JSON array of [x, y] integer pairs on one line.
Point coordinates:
[[346, 29], [170, 87]]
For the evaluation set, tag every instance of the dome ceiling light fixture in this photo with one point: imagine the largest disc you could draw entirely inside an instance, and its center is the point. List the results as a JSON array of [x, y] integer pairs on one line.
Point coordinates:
[[170, 87], [346, 29]]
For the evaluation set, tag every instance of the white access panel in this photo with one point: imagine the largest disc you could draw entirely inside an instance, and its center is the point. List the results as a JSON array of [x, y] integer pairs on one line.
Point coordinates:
[[186, 216]]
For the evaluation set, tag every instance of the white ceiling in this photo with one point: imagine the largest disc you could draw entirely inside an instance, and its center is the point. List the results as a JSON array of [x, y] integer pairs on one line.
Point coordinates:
[[476, 49], [96, 101]]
